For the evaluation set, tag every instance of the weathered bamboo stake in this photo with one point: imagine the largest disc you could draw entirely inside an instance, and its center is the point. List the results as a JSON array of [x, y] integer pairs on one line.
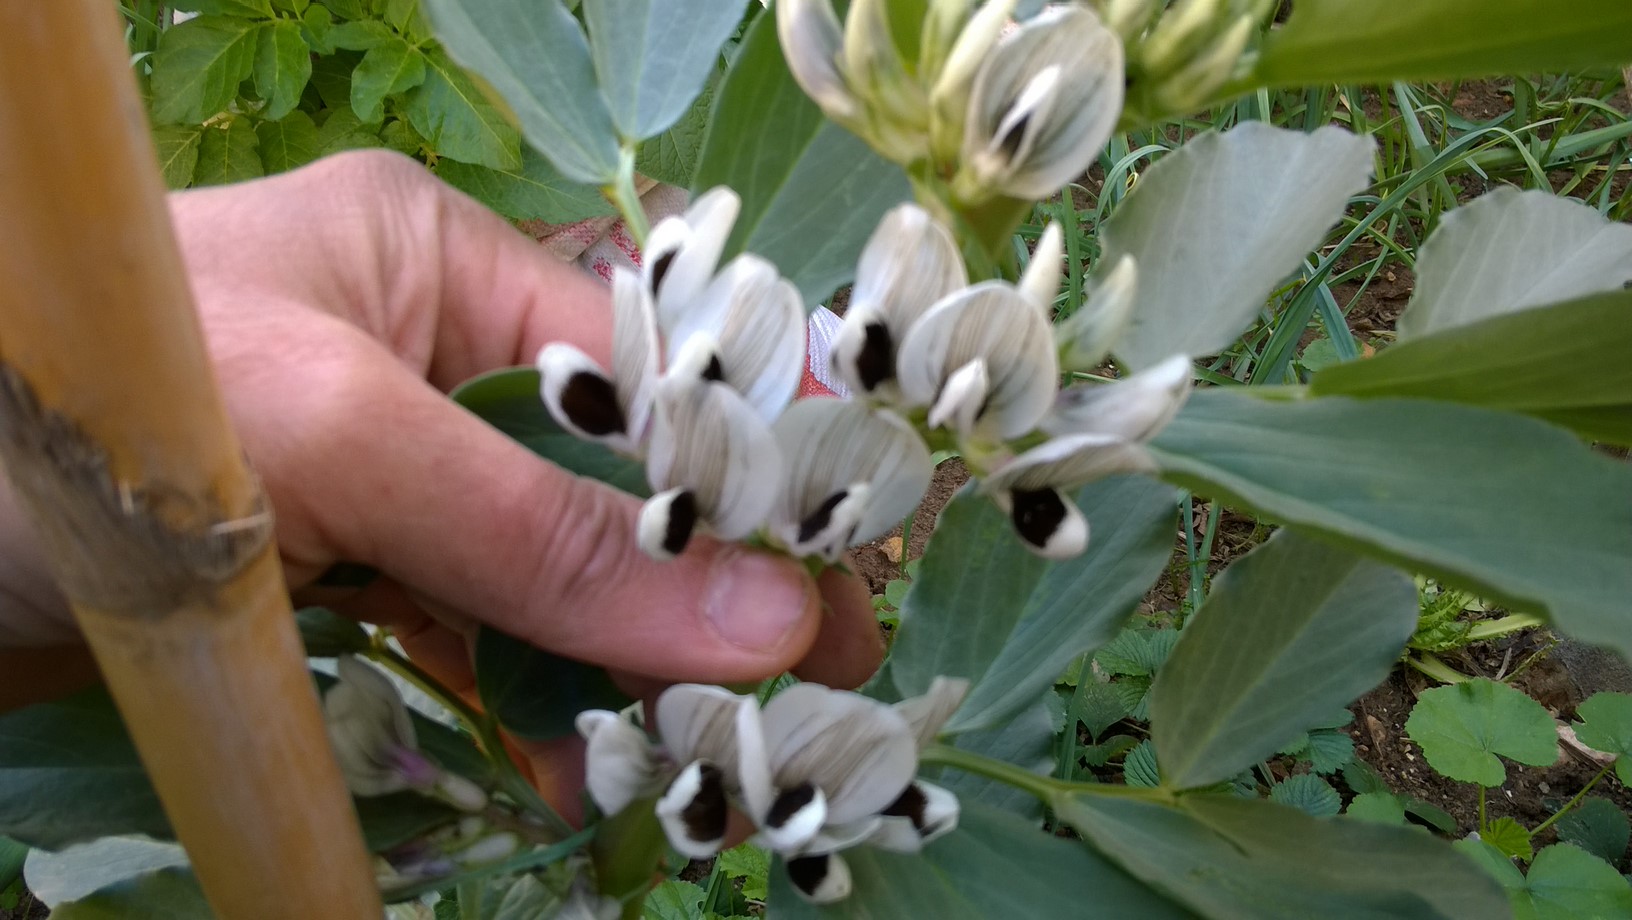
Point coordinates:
[[117, 442]]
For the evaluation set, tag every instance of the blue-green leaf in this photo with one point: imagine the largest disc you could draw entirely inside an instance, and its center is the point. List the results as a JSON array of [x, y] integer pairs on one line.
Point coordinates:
[[652, 57]]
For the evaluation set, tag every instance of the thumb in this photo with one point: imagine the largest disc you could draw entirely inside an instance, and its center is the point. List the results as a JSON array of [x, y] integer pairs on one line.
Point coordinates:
[[466, 516]]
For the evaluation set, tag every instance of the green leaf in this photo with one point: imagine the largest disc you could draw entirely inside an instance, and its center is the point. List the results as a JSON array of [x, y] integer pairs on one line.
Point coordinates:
[[400, 136], [524, 899], [1596, 825], [536, 57], [1309, 794], [675, 900], [331, 77], [1077, 605], [12, 856], [1509, 251], [1218, 223], [1238, 859], [1351, 41], [242, 8], [1140, 768], [1137, 652], [198, 66], [387, 69], [362, 35], [671, 157], [1510, 837], [177, 147], [652, 57], [1462, 727], [82, 870], [537, 694], [1510, 508], [226, 153], [1378, 808], [1026, 740], [1098, 707], [811, 191], [289, 143], [993, 865], [1329, 751], [752, 865], [169, 894], [451, 112], [350, 9], [1309, 627], [327, 634], [1564, 363], [1607, 726], [315, 25], [283, 64], [1565, 883], [536, 191], [343, 130], [509, 401]]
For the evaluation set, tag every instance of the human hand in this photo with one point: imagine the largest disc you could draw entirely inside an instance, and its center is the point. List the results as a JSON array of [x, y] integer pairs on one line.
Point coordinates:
[[337, 301]]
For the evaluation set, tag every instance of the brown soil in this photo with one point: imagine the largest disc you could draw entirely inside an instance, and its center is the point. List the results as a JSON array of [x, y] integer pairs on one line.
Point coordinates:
[[874, 562]]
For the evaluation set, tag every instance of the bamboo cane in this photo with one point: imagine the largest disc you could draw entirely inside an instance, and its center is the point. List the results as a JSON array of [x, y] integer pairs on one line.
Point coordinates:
[[118, 445]]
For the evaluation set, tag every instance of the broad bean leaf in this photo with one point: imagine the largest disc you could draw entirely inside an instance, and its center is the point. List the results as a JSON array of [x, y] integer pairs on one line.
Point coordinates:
[[1462, 727], [1076, 606], [1509, 251], [1217, 224], [652, 57], [1598, 826], [83, 869], [362, 35], [535, 191], [1565, 363], [1606, 725], [537, 694], [509, 401], [1026, 740], [227, 153], [1309, 794], [1230, 858], [1508, 507], [1308, 627], [1355, 41], [287, 143], [1565, 883], [198, 66], [331, 78], [535, 56], [169, 894], [388, 68], [283, 64], [451, 112], [177, 147], [993, 865], [811, 192]]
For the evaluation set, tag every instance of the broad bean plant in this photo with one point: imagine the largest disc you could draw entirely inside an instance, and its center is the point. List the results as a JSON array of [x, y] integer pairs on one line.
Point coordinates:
[[908, 148]]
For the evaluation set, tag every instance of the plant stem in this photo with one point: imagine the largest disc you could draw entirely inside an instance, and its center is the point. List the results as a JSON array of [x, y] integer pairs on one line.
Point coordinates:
[[1431, 665], [470, 900], [1045, 788], [621, 192], [1484, 828], [1512, 623], [1574, 801]]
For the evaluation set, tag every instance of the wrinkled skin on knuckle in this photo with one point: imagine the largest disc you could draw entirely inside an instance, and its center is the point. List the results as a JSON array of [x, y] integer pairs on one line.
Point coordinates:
[[585, 548]]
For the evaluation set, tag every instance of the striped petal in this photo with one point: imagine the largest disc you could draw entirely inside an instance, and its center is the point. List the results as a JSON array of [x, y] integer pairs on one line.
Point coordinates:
[[859, 753], [708, 441], [811, 39], [795, 818], [927, 713], [847, 466], [372, 735], [619, 764], [909, 263], [1089, 334], [634, 352], [756, 320], [1041, 281], [701, 722], [1133, 409], [994, 322], [963, 399], [682, 252], [823, 879]]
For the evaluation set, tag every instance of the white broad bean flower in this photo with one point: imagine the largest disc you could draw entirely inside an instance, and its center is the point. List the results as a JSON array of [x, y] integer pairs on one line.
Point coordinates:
[[1086, 337], [374, 741]]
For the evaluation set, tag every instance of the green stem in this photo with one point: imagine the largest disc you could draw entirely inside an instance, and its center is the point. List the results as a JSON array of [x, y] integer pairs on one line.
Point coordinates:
[[1044, 788], [1431, 665], [469, 893], [1512, 623], [383, 654], [621, 192], [1572, 802], [1484, 829]]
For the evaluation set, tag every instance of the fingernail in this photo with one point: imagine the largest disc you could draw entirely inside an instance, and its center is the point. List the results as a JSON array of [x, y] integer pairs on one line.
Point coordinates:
[[754, 600]]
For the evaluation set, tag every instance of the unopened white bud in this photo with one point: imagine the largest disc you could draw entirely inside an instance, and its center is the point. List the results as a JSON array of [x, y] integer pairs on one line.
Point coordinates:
[[1190, 87], [489, 849], [1178, 34]]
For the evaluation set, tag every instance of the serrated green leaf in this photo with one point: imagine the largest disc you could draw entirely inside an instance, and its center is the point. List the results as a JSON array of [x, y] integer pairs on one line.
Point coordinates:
[[343, 130], [1310, 627], [536, 694], [450, 111], [1362, 777], [1140, 768], [198, 66], [1309, 794], [227, 153], [1510, 837], [652, 57], [675, 900], [1329, 751], [1255, 201], [1606, 725], [1598, 826], [283, 64], [288, 143], [1134, 694], [671, 157], [1378, 808], [1136, 651], [1240, 859], [536, 191], [386, 69], [1462, 727], [350, 9], [535, 56], [177, 147], [811, 191], [1098, 706], [1098, 755], [1346, 41], [752, 865], [1548, 528]]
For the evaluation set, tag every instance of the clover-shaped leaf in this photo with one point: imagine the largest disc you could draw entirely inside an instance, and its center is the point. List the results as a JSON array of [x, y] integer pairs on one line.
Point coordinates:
[[1461, 729], [1606, 725]]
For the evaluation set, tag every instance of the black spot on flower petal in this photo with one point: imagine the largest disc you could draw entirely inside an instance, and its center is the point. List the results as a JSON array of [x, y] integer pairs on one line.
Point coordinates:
[[705, 815], [682, 521], [875, 363], [1037, 514], [819, 519], [660, 268], [911, 804], [590, 402], [714, 371], [790, 803], [809, 873]]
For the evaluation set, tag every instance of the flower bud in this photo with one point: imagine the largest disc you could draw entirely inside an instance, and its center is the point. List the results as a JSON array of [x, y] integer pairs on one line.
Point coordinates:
[[1089, 334], [1179, 34], [1190, 87], [810, 36], [489, 849], [949, 98], [1130, 18], [897, 107]]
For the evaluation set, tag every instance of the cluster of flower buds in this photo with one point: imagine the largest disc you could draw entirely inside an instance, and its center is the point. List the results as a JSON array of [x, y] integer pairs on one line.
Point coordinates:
[[996, 109], [982, 363], [704, 367], [816, 770], [1179, 56]]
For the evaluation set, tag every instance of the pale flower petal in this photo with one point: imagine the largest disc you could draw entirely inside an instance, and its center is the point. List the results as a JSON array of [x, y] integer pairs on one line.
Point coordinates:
[[699, 722], [795, 817], [1088, 335], [619, 763], [580, 396], [860, 754], [949, 97], [927, 713], [1134, 408], [811, 39], [708, 441], [682, 252], [757, 320], [1069, 461], [963, 399], [667, 521], [1041, 281], [372, 734], [634, 351]]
